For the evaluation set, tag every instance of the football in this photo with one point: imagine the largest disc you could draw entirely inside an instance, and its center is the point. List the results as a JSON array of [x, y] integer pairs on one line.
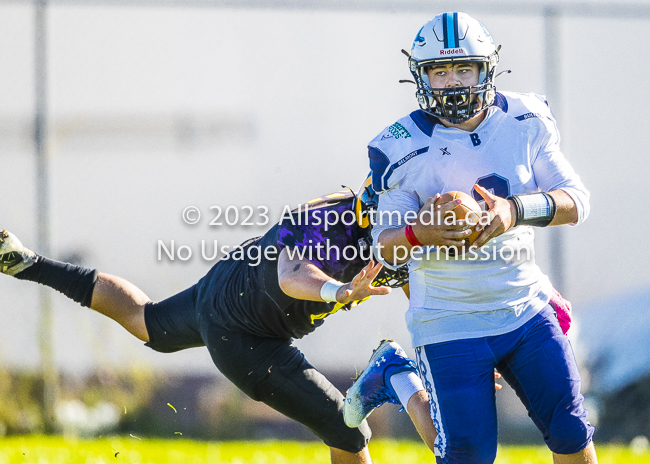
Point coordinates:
[[469, 209]]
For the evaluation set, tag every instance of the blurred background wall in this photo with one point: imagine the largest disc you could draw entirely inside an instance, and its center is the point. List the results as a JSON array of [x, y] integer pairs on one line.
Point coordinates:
[[153, 108]]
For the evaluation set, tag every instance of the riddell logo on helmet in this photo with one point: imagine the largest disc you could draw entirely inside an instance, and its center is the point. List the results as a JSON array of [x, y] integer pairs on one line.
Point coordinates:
[[451, 51]]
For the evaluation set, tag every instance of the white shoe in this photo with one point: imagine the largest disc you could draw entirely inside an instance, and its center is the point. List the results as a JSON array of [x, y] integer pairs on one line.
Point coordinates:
[[14, 257]]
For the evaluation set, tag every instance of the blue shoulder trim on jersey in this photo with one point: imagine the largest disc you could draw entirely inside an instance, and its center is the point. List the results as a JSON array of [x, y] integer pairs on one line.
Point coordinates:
[[379, 163], [424, 122], [501, 102], [411, 155], [528, 116]]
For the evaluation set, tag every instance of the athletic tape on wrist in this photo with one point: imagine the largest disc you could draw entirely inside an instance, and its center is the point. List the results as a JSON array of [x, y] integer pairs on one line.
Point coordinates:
[[535, 209], [329, 289]]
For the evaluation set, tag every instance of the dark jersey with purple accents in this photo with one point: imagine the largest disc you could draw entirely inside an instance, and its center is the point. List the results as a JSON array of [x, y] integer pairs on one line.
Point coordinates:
[[322, 235], [247, 298]]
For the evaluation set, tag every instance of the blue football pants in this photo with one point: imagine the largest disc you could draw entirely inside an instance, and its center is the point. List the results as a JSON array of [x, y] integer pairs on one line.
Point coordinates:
[[536, 360]]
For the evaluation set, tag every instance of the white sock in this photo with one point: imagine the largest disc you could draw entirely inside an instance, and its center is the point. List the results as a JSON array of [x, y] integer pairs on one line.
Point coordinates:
[[406, 384]]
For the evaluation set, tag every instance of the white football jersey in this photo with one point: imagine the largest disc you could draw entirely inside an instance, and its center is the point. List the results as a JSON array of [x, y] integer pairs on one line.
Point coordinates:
[[514, 150]]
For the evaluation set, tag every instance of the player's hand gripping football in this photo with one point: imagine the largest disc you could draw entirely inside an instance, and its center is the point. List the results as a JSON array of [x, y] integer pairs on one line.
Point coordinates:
[[360, 287], [501, 216], [431, 227]]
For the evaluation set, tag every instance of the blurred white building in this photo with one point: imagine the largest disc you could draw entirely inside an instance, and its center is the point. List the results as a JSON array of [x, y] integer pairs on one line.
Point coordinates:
[[156, 109]]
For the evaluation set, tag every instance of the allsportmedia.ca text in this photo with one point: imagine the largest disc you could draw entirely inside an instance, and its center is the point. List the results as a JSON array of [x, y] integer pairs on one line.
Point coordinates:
[[254, 254], [236, 216], [430, 217]]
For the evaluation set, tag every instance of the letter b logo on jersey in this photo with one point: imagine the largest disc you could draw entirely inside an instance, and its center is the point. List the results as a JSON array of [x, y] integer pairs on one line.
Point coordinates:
[[475, 140]]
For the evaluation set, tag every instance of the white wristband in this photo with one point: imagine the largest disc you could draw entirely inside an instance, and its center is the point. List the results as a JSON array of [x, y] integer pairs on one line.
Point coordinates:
[[535, 206], [329, 289]]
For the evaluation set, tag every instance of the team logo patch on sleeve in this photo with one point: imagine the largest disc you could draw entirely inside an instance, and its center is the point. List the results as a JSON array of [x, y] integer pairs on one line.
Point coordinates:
[[398, 131]]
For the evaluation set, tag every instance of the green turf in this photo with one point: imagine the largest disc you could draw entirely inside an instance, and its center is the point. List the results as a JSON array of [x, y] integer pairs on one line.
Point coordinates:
[[53, 450]]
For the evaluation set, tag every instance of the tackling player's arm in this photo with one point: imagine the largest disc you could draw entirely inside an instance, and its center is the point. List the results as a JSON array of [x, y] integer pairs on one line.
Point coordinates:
[[302, 280]]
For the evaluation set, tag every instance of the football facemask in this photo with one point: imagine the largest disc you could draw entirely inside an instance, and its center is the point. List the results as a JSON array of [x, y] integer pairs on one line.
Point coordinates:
[[394, 278], [456, 104]]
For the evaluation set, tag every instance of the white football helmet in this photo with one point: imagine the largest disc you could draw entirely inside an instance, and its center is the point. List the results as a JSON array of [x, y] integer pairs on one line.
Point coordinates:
[[452, 38]]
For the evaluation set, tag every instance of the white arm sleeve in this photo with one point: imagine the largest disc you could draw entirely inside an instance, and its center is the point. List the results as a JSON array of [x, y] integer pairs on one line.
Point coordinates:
[[394, 205], [552, 171]]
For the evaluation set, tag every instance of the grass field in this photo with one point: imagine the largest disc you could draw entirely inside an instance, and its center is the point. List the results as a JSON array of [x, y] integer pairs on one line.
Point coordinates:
[[53, 450]]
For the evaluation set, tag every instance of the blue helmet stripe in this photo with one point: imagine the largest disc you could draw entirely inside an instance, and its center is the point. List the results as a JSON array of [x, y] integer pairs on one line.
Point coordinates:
[[448, 30], [456, 41], [445, 33]]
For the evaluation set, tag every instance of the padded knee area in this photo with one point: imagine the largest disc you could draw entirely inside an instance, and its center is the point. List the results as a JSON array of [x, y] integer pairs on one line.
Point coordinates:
[[353, 441], [569, 431]]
